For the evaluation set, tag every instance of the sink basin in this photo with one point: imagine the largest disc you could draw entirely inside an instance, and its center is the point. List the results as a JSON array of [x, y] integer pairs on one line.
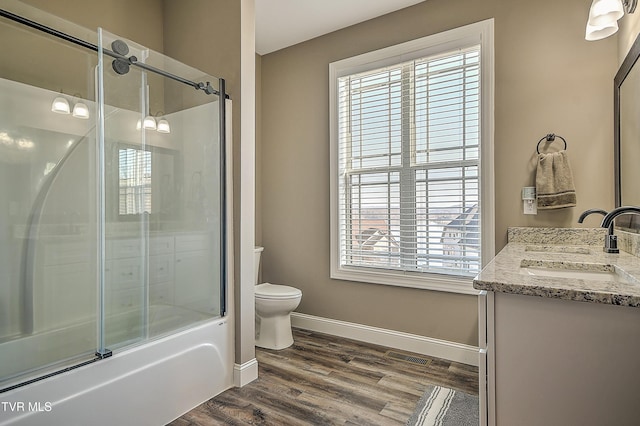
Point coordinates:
[[558, 249], [581, 271]]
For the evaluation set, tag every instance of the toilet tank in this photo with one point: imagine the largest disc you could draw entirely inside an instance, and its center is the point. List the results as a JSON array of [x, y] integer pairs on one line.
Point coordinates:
[[257, 252]]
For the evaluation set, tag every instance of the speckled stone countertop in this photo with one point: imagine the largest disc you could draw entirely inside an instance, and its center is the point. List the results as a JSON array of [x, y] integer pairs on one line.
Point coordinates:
[[576, 249]]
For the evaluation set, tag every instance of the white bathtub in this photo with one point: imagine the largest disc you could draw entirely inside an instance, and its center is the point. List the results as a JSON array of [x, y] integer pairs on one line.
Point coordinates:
[[150, 384]]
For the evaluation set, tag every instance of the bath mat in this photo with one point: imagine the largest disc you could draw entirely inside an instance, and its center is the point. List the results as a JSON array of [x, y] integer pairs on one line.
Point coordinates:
[[441, 406]]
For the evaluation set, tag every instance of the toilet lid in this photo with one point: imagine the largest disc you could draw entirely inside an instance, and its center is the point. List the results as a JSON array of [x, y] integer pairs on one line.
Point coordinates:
[[272, 291]]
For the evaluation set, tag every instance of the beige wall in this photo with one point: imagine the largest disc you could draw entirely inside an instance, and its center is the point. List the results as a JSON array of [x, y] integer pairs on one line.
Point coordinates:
[[77, 77], [548, 79], [121, 17]]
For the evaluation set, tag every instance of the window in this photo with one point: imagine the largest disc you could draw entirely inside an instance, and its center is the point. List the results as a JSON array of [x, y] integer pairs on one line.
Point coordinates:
[[411, 130], [148, 181], [134, 167]]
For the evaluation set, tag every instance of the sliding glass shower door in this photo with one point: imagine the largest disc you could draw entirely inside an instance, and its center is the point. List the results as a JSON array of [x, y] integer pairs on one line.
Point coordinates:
[[162, 195], [111, 197], [48, 238]]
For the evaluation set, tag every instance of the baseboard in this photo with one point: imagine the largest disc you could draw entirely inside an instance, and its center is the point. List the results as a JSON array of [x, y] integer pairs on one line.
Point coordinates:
[[245, 373], [394, 339]]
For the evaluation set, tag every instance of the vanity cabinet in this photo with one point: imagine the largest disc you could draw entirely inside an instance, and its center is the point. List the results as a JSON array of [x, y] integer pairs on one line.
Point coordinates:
[[562, 362], [560, 345]]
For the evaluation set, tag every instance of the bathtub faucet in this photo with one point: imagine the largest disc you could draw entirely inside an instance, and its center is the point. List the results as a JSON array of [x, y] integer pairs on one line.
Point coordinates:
[[611, 240]]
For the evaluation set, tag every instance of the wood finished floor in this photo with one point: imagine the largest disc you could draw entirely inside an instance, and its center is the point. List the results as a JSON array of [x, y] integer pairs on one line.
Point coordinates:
[[328, 380]]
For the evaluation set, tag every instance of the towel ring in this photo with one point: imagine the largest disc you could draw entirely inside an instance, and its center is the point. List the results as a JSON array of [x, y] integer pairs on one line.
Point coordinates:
[[550, 138]]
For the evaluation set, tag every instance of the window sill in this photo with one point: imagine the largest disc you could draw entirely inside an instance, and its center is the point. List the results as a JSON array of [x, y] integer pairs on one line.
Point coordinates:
[[435, 282]]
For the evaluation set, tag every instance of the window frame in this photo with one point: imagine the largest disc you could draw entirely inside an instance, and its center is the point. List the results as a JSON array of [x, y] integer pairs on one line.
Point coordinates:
[[480, 33]]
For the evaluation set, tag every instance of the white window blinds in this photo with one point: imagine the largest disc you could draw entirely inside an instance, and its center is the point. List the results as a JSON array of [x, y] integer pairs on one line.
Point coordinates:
[[408, 165], [134, 182]]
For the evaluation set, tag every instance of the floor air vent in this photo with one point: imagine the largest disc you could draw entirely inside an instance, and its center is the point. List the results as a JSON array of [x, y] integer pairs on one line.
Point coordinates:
[[408, 358]]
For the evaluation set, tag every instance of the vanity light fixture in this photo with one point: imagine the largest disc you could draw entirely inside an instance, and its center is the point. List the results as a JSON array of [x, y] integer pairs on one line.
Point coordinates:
[[598, 33], [81, 110], [630, 5], [163, 124], [604, 16], [149, 123], [60, 105], [604, 12]]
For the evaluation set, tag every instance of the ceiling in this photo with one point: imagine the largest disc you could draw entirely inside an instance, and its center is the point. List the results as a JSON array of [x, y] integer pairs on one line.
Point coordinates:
[[283, 23]]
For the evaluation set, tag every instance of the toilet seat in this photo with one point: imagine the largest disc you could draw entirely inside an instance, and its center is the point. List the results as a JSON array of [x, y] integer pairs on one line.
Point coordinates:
[[272, 291]]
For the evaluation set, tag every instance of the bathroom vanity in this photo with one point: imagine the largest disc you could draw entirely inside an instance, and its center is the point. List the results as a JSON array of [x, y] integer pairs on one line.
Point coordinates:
[[562, 331]]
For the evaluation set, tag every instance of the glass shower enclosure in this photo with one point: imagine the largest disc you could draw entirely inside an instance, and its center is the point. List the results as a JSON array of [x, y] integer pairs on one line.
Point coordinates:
[[111, 197]]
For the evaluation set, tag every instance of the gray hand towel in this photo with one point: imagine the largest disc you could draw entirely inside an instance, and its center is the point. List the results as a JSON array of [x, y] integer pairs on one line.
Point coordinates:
[[554, 181]]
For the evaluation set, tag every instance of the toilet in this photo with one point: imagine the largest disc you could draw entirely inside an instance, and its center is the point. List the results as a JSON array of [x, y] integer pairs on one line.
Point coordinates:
[[274, 304]]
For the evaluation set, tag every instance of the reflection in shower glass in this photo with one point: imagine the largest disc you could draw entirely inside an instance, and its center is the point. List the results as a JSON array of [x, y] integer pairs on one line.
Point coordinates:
[[134, 183]]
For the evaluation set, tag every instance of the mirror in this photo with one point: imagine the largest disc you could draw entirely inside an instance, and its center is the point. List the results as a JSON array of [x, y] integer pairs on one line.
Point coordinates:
[[627, 137]]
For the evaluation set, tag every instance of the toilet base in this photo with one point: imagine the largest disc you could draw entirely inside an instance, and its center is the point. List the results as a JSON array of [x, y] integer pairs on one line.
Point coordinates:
[[274, 332]]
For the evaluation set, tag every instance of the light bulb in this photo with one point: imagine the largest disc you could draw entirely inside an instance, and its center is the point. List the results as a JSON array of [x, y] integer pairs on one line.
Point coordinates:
[[60, 105], [163, 126], [604, 12], [598, 33], [149, 123], [81, 110]]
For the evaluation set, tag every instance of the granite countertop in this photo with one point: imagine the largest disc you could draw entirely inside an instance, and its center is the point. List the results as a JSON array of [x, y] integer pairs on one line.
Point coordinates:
[[562, 249]]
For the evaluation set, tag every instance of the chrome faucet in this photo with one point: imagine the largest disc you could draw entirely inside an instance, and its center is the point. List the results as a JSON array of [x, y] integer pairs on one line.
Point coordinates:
[[611, 241]]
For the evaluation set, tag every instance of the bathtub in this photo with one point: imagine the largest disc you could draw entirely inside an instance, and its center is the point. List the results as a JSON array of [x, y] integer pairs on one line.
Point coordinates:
[[150, 384]]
